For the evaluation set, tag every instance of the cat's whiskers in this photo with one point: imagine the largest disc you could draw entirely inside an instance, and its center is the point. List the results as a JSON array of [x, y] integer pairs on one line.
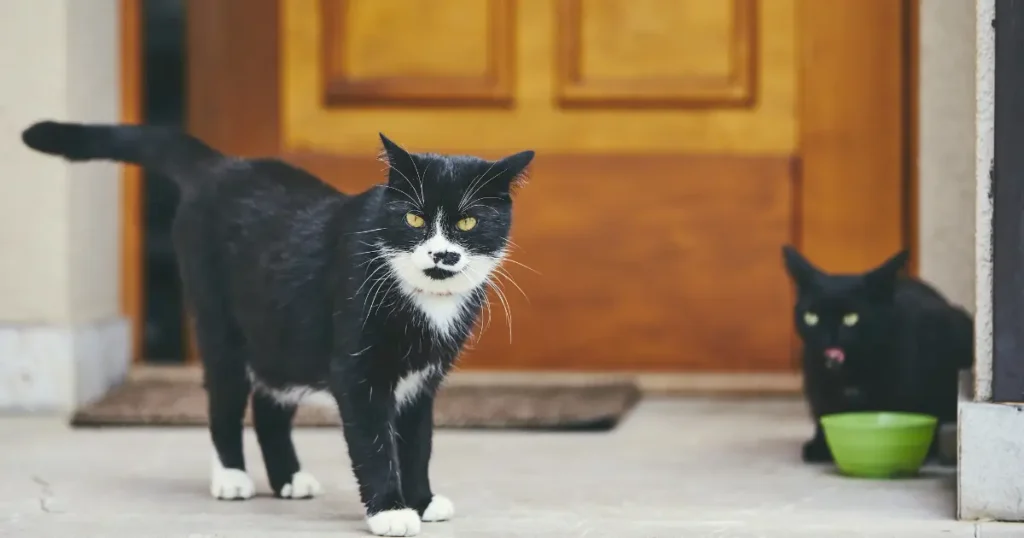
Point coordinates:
[[366, 231], [475, 204], [415, 203], [419, 178], [483, 184], [523, 265], [394, 304], [379, 285], [377, 282], [489, 315], [407, 180], [379, 256], [486, 309], [387, 293], [466, 195], [496, 286], [502, 272], [368, 277], [491, 282]]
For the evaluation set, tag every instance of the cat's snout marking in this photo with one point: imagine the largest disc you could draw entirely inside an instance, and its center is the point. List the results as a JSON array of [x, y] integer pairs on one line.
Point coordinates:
[[445, 258]]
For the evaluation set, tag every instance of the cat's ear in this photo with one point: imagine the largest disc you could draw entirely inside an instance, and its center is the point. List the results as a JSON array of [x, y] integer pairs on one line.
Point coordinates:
[[802, 271], [513, 169], [882, 279], [400, 164]]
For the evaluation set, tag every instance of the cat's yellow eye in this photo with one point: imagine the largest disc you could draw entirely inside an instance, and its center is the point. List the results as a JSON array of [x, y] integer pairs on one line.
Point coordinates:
[[414, 220], [811, 319], [851, 319], [466, 224]]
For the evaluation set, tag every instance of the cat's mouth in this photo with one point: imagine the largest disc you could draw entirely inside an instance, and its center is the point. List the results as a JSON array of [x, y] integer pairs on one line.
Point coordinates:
[[834, 357]]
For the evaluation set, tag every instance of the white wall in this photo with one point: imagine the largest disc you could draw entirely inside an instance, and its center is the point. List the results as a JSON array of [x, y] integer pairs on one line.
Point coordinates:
[[990, 471], [984, 150]]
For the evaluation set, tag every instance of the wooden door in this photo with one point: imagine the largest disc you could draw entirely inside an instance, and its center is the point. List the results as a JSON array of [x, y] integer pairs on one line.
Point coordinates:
[[680, 143]]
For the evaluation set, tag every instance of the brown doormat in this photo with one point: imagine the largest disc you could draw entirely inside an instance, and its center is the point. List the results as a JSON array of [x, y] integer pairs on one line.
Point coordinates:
[[551, 407]]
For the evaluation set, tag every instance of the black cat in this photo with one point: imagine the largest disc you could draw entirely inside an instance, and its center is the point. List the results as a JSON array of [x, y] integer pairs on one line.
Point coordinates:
[[878, 341], [296, 288]]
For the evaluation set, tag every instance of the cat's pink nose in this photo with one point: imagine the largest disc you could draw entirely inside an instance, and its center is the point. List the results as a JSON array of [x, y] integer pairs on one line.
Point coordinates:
[[835, 354]]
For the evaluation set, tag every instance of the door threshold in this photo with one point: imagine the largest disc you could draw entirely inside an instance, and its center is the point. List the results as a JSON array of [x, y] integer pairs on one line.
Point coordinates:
[[651, 384]]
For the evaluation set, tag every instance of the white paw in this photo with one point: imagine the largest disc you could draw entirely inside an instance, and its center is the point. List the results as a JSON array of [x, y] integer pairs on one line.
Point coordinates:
[[302, 486], [440, 509], [231, 484], [404, 522]]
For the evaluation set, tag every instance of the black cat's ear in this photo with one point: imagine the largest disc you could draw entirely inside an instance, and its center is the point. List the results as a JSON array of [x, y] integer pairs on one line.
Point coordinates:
[[400, 163], [513, 169], [802, 271], [882, 279], [392, 151]]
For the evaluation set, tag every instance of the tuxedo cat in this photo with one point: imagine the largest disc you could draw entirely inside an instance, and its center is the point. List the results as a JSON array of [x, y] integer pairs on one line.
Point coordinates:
[[296, 288], [877, 341]]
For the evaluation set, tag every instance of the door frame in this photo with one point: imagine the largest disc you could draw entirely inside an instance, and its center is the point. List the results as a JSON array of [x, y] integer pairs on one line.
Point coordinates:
[[132, 185], [824, 34]]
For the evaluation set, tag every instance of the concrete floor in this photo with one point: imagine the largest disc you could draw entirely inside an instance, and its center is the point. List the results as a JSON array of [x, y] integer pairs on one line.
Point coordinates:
[[674, 468]]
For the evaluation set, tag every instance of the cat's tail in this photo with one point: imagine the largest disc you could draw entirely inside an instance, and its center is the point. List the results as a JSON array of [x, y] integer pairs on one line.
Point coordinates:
[[163, 150]]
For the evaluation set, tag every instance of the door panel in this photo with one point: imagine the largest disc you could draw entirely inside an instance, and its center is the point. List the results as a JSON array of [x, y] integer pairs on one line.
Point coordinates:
[[688, 108], [674, 53], [422, 52], [669, 138]]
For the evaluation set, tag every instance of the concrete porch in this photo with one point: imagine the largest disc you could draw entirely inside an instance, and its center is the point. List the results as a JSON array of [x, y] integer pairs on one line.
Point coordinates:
[[673, 468]]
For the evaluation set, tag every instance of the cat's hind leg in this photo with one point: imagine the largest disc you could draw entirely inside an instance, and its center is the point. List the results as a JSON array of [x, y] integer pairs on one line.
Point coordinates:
[[272, 420], [227, 387]]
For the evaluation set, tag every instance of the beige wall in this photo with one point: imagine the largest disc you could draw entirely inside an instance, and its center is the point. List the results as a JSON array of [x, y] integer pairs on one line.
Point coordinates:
[[62, 340], [946, 157], [59, 225]]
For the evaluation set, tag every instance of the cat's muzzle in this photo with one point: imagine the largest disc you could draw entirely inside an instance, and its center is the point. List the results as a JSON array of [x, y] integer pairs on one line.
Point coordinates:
[[834, 357], [438, 273]]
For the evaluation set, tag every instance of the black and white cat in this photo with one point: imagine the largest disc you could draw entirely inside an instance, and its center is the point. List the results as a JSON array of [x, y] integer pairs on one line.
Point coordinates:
[[296, 288], [877, 341]]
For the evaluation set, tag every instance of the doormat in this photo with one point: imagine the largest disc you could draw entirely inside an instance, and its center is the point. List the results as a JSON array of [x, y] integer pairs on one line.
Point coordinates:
[[594, 407]]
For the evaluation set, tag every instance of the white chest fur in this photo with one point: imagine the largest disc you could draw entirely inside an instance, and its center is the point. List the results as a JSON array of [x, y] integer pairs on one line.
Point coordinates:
[[443, 312], [412, 384]]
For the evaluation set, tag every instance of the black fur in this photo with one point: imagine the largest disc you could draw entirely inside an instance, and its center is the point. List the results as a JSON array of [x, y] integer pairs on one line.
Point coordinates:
[[903, 353], [289, 280]]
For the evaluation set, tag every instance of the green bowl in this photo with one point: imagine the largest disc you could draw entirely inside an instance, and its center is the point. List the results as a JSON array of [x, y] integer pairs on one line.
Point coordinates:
[[879, 444]]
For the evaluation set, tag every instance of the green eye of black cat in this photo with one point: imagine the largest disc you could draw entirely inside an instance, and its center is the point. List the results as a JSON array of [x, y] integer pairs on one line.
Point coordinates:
[[811, 319], [851, 319], [466, 224]]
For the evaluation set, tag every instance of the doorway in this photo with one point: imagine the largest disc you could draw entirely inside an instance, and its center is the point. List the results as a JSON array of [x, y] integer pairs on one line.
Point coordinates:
[[164, 68], [665, 183]]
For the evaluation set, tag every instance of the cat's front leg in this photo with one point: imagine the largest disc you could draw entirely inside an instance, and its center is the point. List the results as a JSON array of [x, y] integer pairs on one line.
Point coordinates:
[[368, 412], [415, 438], [816, 449]]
